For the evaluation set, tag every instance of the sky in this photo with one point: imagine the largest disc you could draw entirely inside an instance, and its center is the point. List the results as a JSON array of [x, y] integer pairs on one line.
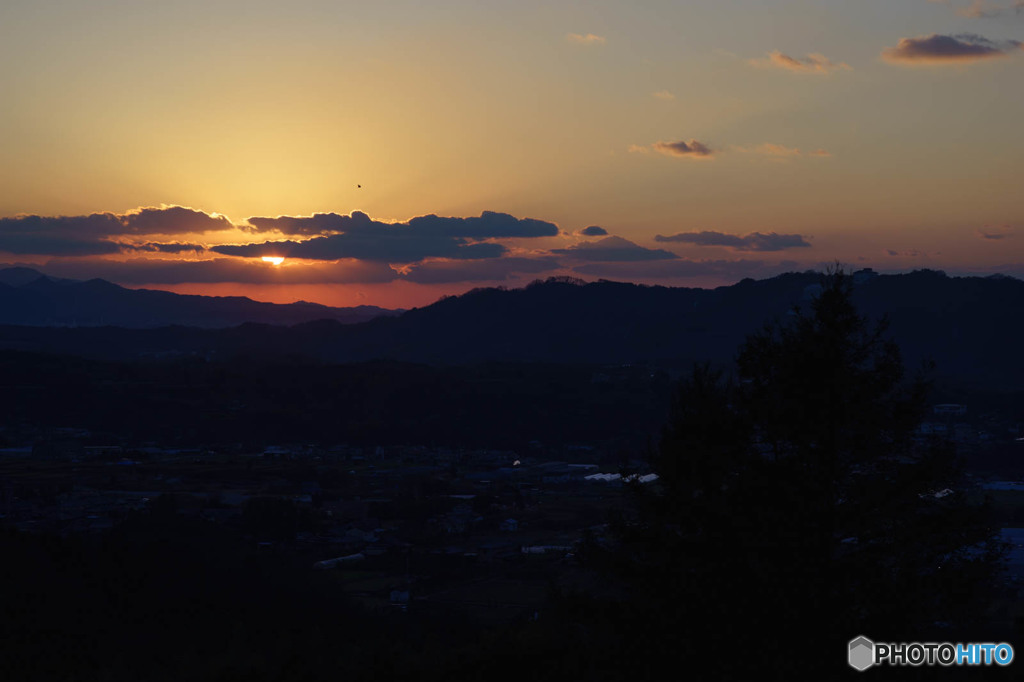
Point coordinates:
[[392, 152]]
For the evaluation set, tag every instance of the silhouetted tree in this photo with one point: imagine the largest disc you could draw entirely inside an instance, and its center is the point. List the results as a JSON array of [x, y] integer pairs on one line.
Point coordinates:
[[794, 505]]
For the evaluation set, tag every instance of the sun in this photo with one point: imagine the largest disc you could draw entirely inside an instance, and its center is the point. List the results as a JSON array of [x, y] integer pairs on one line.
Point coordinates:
[[276, 260]]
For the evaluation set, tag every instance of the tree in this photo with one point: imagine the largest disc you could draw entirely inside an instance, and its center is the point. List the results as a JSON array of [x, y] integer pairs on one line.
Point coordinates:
[[795, 505]]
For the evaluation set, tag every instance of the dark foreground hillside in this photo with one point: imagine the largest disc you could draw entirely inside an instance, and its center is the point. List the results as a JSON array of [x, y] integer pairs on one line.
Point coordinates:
[[193, 402]]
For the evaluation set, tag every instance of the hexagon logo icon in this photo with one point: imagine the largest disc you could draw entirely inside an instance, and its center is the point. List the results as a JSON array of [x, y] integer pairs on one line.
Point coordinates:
[[862, 653]]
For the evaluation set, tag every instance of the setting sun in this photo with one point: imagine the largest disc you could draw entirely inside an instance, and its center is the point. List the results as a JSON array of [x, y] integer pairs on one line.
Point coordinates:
[[276, 260]]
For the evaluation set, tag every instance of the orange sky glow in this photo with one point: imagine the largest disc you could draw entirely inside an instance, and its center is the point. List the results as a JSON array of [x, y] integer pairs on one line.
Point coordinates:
[[394, 154]]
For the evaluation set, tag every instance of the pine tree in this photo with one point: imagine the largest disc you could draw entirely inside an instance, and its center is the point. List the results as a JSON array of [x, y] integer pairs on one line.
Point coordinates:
[[795, 504]]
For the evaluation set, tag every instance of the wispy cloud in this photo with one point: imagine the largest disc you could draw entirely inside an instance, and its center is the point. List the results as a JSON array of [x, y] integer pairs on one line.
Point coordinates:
[[664, 95], [936, 49], [994, 233], [755, 241], [907, 253], [448, 271], [585, 39], [698, 150], [981, 9], [172, 247], [692, 149], [769, 149], [613, 249], [814, 63]]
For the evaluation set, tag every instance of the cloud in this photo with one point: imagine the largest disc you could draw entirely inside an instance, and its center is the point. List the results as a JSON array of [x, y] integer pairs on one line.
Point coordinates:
[[489, 225], [813, 63], [585, 39], [998, 233], [613, 249], [594, 231], [979, 9], [770, 149], [911, 253], [446, 271], [314, 225], [391, 246], [94, 234], [172, 220], [173, 247], [692, 149], [40, 243], [664, 95], [357, 236], [755, 241], [938, 49], [363, 248], [820, 153], [167, 271]]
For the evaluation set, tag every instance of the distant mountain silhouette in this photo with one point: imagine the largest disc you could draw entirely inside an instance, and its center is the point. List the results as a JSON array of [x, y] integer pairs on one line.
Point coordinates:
[[19, 276], [970, 326], [27, 297]]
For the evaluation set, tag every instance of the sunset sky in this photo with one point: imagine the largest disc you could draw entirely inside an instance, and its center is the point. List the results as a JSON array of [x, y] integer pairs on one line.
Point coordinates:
[[395, 151]]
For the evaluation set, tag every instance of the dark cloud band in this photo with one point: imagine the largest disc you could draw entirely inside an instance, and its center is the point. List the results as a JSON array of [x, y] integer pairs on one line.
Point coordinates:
[[357, 236], [95, 234], [943, 49], [693, 148], [488, 225], [388, 246], [756, 241], [614, 249]]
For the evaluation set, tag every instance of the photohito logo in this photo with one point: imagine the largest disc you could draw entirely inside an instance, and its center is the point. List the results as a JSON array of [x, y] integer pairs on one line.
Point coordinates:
[[863, 653]]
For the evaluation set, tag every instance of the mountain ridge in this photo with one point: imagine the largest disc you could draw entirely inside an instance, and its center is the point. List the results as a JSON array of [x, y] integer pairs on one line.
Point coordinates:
[[31, 298], [968, 326]]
